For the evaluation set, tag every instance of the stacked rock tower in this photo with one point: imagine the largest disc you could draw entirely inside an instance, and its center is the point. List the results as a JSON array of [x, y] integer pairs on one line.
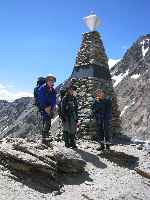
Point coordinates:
[[91, 71]]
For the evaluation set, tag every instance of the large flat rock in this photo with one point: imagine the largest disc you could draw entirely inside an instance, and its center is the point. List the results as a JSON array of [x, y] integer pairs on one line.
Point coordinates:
[[29, 156]]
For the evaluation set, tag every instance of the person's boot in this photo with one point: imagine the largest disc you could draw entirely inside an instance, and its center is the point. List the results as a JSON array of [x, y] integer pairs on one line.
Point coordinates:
[[43, 140], [107, 146], [72, 142], [74, 146], [101, 148], [44, 143], [49, 144], [66, 139], [67, 145]]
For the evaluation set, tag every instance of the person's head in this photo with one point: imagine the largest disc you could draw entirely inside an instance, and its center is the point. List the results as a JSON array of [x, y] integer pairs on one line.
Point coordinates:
[[62, 92], [50, 80], [100, 94], [73, 80], [71, 90]]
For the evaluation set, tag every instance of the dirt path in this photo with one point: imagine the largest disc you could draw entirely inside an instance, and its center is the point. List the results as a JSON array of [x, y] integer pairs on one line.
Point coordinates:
[[108, 176]]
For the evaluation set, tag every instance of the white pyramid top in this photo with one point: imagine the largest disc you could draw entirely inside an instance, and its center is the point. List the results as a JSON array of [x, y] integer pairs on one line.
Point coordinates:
[[92, 22]]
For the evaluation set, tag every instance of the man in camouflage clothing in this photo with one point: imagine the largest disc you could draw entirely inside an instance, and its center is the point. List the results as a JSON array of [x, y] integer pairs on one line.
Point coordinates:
[[69, 109]]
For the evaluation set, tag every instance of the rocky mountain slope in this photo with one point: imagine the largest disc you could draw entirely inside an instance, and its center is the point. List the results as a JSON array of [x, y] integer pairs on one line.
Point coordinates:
[[30, 170], [131, 77], [18, 118]]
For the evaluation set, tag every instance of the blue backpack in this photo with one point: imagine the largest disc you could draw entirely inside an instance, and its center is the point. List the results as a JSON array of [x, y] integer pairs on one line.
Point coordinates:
[[40, 82]]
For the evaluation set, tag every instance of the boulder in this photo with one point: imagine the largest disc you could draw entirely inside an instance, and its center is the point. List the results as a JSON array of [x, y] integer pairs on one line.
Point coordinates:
[[30, 156], [68, 160]]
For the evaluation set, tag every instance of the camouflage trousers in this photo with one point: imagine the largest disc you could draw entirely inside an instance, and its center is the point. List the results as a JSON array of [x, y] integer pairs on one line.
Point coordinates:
[[69, 131], [45, 130]]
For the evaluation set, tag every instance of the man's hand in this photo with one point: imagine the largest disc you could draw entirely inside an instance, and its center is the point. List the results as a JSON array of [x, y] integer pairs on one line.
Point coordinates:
[[78, 125], [48, 110], [55, 109]]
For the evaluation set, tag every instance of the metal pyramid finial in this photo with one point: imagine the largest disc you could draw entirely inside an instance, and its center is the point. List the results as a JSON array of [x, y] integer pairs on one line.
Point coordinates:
[[92, 21]]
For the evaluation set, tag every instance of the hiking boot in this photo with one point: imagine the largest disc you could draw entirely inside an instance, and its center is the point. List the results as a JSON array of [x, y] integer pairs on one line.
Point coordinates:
[[74, 146], [73, 143], [101, 148], [67, 145], [50, 145], [44, 141], [107, 147], [44, 145], [47, 143]]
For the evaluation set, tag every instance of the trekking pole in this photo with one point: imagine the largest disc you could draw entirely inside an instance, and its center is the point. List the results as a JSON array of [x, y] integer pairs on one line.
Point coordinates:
[[37, 123], [104, 133], [60, 126], [39, 118], [41, 123]]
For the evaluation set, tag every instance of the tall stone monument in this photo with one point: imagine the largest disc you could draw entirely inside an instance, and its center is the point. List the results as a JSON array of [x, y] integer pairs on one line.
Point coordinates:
[[91, 71]]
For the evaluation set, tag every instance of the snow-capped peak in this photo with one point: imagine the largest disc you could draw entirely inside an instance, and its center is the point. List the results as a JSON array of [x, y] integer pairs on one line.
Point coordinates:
[[112, 62], [119, 78], [145, 46], [135, 76]]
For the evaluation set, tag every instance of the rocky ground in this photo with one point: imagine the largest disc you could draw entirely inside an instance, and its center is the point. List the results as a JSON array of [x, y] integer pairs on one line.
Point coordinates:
[[111, 175]]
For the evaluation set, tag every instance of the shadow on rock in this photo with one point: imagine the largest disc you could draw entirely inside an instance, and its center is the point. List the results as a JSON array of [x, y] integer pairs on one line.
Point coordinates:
[[120, 158], [37, 181], [86, 197], [91, 158], [75, 179], [121, 139]]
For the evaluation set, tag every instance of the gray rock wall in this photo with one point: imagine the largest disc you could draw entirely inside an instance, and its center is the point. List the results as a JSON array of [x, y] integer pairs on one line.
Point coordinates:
[[86, 88]]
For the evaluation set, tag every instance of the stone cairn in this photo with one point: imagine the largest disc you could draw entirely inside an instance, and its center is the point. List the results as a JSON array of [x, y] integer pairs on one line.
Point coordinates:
[[91, 71]]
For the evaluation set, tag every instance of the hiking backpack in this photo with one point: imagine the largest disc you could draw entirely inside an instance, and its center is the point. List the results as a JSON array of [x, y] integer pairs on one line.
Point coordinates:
[[40, 82]]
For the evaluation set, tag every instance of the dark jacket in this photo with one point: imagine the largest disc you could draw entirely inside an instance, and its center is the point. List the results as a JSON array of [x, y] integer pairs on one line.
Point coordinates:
[[46, 98], [102, 109], [69, 107]]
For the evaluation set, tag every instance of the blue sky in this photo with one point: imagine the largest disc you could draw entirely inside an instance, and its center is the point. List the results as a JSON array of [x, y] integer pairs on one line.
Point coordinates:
[[38, 37]]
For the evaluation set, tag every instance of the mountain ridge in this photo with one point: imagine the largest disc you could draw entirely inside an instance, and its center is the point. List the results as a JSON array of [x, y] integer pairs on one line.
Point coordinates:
[[131, 77]]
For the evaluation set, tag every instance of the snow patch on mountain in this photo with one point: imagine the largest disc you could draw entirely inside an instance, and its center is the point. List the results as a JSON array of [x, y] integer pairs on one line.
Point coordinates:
[[145, 46], [112, 62], [126, 107], [119, 78], [124, 110], [135, 76]]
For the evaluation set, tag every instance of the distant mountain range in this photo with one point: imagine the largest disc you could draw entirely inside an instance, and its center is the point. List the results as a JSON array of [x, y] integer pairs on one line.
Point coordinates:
[[17, 118]]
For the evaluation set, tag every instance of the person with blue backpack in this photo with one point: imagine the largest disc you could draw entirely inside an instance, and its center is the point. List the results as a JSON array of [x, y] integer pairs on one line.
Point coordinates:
[[40, 82], [47, 104]]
